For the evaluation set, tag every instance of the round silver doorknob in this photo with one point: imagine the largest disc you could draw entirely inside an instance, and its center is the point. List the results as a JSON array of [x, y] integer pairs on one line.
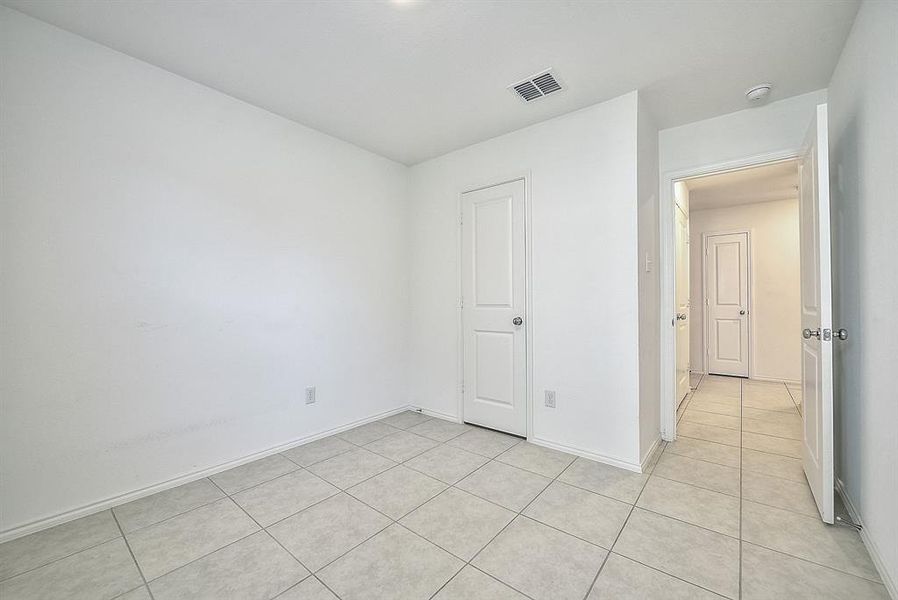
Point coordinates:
[[808, 334], [517, 320]]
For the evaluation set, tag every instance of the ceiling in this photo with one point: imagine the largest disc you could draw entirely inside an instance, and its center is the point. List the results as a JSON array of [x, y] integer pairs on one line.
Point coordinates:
[[778, 181], [415, 79]]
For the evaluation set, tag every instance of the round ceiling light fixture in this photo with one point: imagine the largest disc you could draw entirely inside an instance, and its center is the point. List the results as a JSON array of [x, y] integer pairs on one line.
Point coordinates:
[[758, 92]]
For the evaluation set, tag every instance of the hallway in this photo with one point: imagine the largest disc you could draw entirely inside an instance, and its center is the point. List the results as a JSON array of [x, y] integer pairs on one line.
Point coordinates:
[[742, 439]]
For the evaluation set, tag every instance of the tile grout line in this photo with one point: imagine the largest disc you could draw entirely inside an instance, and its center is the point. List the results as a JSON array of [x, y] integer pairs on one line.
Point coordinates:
[[131, 552]]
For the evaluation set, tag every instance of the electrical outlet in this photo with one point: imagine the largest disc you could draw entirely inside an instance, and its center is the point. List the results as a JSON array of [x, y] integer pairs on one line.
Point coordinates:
[[550, 398], [310, 395]]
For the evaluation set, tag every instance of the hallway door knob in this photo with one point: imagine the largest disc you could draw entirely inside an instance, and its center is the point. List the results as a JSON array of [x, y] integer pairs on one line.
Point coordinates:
[[742, 312], [808, 334], [517, 321]]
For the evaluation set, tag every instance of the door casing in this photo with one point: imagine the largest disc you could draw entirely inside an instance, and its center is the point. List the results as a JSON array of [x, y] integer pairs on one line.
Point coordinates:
[[524, 176], [667, 261]]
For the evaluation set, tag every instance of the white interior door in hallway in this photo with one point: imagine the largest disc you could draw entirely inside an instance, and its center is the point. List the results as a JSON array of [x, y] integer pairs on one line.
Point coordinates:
[[816, 315], [726, 303], [493, 307], [682, 308]]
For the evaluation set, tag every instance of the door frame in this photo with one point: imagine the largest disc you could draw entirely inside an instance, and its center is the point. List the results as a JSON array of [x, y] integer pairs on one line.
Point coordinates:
[[667, 260], [524, 176], [706, 342]]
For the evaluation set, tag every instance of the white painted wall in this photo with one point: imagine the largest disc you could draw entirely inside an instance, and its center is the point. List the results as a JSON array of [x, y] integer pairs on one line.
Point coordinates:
[[775, 288], [775, 127], [863, 119], [177, 266], [649, 282], [583, 203]]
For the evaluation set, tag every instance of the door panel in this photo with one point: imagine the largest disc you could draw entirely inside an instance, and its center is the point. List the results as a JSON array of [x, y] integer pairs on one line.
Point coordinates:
[[682, 307], [493, 294], [726, 298], [816, 315]]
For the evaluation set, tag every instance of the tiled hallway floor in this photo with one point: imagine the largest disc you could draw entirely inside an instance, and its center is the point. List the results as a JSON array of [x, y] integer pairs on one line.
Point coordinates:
[[417, 508]]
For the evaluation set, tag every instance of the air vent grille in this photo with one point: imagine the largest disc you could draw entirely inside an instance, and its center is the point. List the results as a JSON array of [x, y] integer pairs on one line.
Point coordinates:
[[536, 87]]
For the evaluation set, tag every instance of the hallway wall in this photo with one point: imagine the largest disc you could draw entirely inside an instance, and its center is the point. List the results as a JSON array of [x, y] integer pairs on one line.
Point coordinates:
[[863, 119]]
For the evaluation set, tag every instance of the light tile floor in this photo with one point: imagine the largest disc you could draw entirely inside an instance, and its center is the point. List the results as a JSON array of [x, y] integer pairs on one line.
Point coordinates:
[[417, 508]]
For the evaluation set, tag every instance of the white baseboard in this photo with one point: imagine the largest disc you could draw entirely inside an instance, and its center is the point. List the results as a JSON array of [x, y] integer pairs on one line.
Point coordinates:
[[644, 464], [757, 377], [438, 415], [608, 460], [872, 548], [113, 501]]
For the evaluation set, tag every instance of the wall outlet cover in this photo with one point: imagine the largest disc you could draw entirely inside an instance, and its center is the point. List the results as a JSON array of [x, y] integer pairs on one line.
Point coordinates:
[[310, 395], [550, 398]]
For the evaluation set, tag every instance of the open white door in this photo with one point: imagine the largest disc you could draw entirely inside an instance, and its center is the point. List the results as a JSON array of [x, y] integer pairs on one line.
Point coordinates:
[[816, 315], [493, 295], [682, 308]]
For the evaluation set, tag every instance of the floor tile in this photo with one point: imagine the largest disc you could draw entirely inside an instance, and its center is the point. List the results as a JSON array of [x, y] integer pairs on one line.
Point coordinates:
[[350, 468], [591, 517], [319, 450], [365, 434], [536, 459], [140, 593], [787, 427], [165, 546], [768, 399], [768, 574], [37, 549], [541, 562], [698, 506], [760, 414], [603, 479], [624, 579], [447, 463], [705, 558], [693, 415], [505, 485], [774, 491], [705, 450], [484, 442], [458, 522], [279, 498], [398, 491], [471, 584], [161, 506], [720, 435], [440, 430], [104, 571], [308, 589], [710, 476], [395, 564], [401, 446], [406, 420], [324, 532], [254, 568], [773, 465], [809, 538], [774, 445], [729, 409], [254, 473]]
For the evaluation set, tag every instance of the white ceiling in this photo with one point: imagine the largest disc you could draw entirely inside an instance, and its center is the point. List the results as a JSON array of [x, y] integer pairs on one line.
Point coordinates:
[[778, 181], [415, 79]]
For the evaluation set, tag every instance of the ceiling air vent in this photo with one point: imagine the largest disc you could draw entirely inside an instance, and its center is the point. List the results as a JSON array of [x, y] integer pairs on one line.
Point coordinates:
[[536, 86]]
